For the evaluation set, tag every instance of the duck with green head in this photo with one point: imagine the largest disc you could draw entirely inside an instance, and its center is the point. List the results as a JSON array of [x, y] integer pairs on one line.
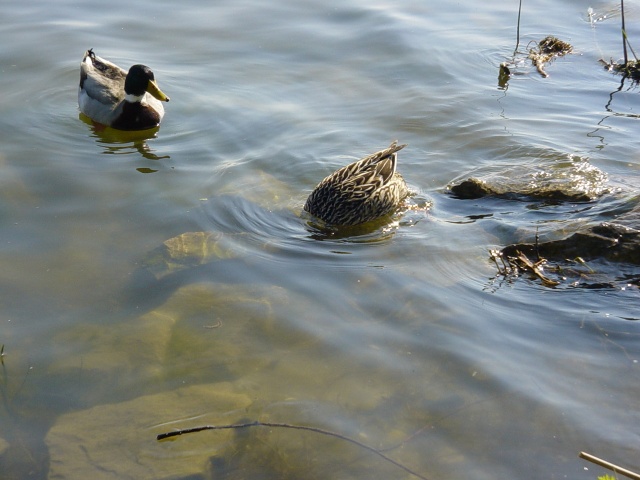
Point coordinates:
[[122, 100]]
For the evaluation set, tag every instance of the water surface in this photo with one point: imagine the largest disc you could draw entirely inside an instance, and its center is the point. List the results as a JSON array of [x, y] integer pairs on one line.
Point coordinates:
[[400, 336]]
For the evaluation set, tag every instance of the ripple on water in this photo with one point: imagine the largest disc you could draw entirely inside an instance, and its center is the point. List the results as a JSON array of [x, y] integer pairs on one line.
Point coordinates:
[[284, 234]]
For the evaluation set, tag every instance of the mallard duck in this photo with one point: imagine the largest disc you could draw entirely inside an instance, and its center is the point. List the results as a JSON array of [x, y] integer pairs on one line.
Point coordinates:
[[361, 191], [115, 98]]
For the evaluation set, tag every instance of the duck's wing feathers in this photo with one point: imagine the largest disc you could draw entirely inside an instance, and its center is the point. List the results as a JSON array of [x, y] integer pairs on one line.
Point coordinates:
[[101, 81], [369, 174], [360, 191]]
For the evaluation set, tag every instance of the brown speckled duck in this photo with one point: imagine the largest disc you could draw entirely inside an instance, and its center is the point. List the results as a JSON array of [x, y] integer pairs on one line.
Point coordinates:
[[110, 96], [360, 192]]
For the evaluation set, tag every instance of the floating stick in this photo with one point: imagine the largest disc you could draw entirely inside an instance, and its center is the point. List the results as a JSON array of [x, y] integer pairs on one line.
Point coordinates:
[[609, 465]]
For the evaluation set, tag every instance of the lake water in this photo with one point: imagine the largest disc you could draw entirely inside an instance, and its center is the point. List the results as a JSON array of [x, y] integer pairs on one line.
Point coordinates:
[[401, 336]]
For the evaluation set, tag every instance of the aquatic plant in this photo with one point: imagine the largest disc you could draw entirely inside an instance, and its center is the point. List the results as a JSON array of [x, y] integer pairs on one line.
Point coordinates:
[[547, 49], [628, 68], [542, 53]]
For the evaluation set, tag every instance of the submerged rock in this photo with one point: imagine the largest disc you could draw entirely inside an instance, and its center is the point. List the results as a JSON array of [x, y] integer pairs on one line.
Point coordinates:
[[264, 190], [260, 191], [614, 242], [572, 179], [117, 441], [217, 324], [188, 250], [600, 256], [611, 248]]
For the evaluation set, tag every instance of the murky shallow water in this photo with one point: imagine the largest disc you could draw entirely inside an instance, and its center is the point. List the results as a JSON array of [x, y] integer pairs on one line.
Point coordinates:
[[400, 337]]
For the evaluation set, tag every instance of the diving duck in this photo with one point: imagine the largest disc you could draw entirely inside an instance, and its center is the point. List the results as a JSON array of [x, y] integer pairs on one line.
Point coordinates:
[[111, 96], [361, 191]]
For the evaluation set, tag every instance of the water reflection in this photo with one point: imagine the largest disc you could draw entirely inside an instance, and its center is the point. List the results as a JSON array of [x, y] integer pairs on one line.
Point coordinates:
[[119, 142], [592, 16], [613, 113], [379, 231], [372, 232]]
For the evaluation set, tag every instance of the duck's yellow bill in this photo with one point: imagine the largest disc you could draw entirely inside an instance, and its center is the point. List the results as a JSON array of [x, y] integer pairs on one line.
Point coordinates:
[[153, 89]]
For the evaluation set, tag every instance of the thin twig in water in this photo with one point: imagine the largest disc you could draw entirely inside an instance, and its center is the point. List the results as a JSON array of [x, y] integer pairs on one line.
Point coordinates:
[[505, 269], [518, 29], [624, 35], [535, 268], [218, 324], [609, 465], [176, 433], [629, 43]]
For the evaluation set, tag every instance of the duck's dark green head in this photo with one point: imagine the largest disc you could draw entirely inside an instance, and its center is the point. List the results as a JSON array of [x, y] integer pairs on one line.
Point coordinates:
[[140, 79]]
